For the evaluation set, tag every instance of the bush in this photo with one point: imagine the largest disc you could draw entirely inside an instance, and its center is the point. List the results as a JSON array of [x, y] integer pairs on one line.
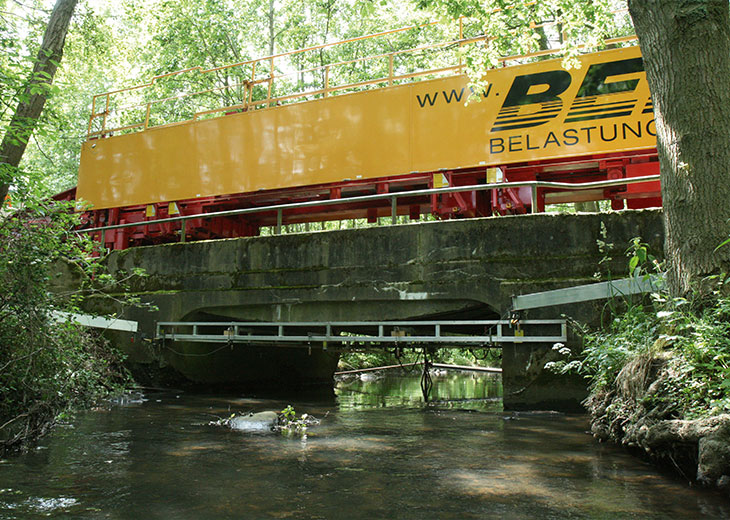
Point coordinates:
[[676, 353], [46, 366]]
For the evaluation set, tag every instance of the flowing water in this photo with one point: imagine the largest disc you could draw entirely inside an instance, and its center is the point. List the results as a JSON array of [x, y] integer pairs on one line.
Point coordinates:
[[377, 453]]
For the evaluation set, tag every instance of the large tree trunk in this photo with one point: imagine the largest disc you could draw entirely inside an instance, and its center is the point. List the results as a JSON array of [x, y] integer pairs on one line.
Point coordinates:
[[686, 49], [31, 103]]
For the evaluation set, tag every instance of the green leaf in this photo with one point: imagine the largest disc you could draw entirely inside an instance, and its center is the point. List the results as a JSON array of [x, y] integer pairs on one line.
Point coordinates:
[[726, 242], [633, 264]]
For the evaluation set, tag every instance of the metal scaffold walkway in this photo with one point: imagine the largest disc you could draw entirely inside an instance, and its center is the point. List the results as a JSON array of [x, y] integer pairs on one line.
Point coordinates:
[[443, 334]]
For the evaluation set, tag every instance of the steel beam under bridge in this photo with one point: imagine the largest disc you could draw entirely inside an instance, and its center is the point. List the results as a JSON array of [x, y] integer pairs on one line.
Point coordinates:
[[359, 334]]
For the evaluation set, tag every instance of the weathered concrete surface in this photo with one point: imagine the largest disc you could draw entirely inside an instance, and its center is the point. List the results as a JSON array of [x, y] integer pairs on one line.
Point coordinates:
[[417, 270]]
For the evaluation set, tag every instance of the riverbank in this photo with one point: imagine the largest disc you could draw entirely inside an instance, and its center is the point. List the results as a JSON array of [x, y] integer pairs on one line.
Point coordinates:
[[63, 370], [660, 375], [632, 413], [47, 367]]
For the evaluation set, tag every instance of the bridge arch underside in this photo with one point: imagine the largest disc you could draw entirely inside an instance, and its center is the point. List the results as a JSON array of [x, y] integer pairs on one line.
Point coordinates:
[[459, 269], [280, 366]]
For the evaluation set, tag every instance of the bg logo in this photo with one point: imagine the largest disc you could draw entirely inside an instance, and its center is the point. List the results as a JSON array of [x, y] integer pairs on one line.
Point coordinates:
[[545, 88]]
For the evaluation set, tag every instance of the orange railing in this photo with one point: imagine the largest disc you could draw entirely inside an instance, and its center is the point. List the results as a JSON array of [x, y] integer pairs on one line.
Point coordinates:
[[103, 110]]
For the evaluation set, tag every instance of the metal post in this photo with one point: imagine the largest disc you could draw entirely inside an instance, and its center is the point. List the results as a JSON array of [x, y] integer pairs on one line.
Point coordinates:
[[183, 230], [393, 209], [534, 198], [426, 382], [147, 116], [279, 219], [271, 82], [91, 124], [106, 113], [253, 80], [326, 80]]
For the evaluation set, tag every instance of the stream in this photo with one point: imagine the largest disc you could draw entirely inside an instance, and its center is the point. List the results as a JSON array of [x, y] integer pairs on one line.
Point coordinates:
[[377, 453]]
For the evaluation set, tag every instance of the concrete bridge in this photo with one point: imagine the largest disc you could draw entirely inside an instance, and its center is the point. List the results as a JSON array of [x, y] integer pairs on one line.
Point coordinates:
[[458, 269]]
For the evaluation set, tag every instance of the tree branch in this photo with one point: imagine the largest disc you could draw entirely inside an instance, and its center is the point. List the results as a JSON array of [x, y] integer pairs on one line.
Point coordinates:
[[26, 115]]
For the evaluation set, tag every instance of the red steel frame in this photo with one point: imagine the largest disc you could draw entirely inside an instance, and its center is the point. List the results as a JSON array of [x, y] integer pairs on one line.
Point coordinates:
[[446, 206]]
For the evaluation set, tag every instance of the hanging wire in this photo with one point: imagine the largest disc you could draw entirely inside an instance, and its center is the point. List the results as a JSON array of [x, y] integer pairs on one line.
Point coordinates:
[[426, 381]]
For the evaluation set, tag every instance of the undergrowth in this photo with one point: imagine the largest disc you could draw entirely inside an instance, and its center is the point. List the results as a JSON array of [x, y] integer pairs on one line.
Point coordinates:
[[47, 365], [659, 356], [689, 346]]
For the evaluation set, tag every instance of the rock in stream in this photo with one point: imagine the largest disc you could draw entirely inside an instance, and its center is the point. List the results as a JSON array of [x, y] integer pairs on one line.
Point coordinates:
[[255, 422]]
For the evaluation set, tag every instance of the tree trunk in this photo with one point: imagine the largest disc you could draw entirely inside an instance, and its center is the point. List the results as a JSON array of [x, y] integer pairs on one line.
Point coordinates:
[[31, 102], [686, 50], [272, 34]]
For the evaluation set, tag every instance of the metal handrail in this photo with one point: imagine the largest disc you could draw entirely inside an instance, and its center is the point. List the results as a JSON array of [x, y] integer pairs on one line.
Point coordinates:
[[393, 197], [386, 323], [430, 332], [253, 62], [318, 68], [268, 62]]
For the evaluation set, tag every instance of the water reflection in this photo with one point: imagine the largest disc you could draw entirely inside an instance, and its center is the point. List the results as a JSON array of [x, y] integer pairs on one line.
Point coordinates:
[[458, 389], [378, 453]]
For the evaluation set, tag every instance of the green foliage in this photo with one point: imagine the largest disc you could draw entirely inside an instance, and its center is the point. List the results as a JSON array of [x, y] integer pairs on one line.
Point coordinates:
[[570, 27], [667, 354], [46, 366], [290, 424], [607, 351], [723, 244], [93, 62], [641, 261], [701, 375], [288, 413], [687, 342], [377, 358]]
